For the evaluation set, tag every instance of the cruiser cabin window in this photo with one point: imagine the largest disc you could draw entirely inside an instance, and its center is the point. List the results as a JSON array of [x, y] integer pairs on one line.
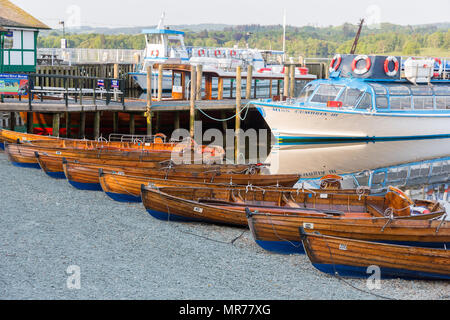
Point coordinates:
[[350, 97], [307, 92], [326, 93]]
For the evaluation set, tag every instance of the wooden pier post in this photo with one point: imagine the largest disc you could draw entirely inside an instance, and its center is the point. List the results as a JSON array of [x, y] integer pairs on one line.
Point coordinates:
[[55, 126], [199, 82], [97, 125], [248, 88], [292, 81], [148, 112], [192, 101], [286, 81], [220, 89], [67, 116], [82, 133], [176, 124], [238, 110], [29, 122], [12, 121], [116, 76], [132, 124], [160, 82]]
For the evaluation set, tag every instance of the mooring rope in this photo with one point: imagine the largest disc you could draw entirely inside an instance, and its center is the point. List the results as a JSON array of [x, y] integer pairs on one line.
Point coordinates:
[[246, 108]]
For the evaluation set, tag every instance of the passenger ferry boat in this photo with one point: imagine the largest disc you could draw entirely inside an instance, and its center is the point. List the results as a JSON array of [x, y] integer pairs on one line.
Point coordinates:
[[164, 45], [366, 98]]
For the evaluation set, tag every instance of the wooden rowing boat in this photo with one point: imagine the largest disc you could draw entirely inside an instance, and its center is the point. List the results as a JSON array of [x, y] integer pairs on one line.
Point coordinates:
[[127, 188], [13, 136], [228, 204], [52, 165], [279, 232], [352, 258], [86, 176]]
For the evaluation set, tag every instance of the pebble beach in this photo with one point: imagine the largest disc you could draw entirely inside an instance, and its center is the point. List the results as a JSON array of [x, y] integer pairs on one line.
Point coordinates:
[[122, 252]]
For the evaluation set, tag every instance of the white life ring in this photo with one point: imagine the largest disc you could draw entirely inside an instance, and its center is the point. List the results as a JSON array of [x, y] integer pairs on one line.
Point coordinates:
[[335, 63], [391, 73], [363, 70]]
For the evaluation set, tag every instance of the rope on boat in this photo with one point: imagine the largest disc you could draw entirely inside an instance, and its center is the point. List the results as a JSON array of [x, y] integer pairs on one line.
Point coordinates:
[[246, 108]]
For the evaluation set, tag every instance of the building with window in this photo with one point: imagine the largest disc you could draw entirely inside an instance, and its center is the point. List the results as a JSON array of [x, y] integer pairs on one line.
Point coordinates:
[[18, 38]]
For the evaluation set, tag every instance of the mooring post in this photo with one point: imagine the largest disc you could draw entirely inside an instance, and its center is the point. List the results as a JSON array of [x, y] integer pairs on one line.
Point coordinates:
[[116, 76], [176, 124], [12, 121], [29, 122], [115, 122], [220, 89], [67, 116], [286, 81], [292, 81], [192, 101], [97, 125], [82, 133], [132, 124], [160, 82], [148, 112], [248, 88], [238, 110], [199, 82], [55, 127]]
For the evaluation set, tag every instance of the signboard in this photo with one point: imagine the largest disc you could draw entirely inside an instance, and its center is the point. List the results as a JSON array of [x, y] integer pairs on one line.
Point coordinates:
[[13, 84], [100, 83], [115, 84]]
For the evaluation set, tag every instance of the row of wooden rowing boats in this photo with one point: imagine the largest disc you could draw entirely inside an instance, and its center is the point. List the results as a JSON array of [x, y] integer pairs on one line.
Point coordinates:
[[341, 231]]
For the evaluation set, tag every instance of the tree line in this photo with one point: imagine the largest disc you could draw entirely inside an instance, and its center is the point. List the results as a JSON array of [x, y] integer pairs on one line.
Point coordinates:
[[306, 41]]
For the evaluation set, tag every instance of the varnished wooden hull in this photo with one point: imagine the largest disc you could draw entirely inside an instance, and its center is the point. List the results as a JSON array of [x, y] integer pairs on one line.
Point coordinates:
[[352, 258], [13, 136], [127, 188], [25, 154], [279, 233], [53, 165]]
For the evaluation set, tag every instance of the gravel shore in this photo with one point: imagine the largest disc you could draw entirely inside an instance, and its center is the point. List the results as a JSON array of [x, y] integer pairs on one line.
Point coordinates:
[[123, 253]]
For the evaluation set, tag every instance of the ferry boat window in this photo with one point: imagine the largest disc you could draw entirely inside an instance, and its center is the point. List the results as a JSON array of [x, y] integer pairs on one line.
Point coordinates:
[[378, 88], [398, 90], [442, 102], [423, 102], [154, 39], [400, 102], [350, 97], [307, 92], [441, 90], [382, 102], [326, 93], [421, 90], [366, 102]]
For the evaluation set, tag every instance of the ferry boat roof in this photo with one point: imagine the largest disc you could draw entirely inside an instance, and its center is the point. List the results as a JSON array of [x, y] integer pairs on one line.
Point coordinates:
[[161, 31]]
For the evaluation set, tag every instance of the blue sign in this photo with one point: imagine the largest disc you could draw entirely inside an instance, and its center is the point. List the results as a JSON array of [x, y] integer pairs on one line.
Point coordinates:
[[101, 83], [115, 84]]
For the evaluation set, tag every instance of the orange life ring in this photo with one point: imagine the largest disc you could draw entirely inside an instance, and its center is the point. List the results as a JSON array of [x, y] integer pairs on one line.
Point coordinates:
[[391, 73], [159, 138], [401, 194], [154, 53], [363, 70], [335, 63], [217, 53], [201, 52], [233, 53]]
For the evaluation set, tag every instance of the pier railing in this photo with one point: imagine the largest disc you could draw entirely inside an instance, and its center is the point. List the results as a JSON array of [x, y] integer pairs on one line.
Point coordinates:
[[69, 90], [70, 56]]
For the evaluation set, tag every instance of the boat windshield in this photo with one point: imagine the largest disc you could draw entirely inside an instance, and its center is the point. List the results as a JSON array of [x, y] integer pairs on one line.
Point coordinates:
[[306, 92], [351, 96], [326, 92]]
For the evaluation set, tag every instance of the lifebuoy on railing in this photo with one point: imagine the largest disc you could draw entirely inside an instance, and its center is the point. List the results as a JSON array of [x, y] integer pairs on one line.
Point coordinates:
[[335, 63], [217, 53], [366, 67], [154, 53], [394, 72], [201, 52], [233, 53]]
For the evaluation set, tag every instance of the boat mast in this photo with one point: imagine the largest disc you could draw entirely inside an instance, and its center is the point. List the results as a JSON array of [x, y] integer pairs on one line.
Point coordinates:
[[284, 35], [161, 21], [355, 43]]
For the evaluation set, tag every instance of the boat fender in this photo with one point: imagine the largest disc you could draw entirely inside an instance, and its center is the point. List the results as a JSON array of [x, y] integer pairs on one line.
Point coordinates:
[[441, 67], [335, 63], [363, 70], [419, 210], [391, 73]]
